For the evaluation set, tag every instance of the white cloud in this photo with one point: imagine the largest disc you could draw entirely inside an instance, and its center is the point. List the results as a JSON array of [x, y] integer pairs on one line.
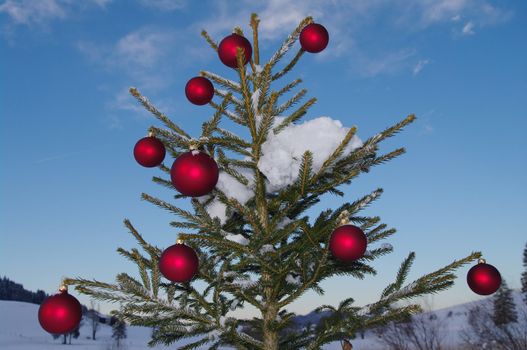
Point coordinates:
[[419, 66], [387, 63], [143, 48], [468, 29], [41, 12], [30, 12], [164, 5]]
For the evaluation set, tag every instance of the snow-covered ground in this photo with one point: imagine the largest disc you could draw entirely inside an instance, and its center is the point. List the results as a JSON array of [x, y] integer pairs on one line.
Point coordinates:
[[20, 330]]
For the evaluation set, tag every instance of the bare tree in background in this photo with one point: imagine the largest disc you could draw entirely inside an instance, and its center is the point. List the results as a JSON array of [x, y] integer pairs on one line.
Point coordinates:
[[421, 331], [93, 315], [483, 333]]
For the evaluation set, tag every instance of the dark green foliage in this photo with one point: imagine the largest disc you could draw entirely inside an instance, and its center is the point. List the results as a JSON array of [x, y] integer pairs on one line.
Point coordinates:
[[118, 330], [504, 306], [10, 290]]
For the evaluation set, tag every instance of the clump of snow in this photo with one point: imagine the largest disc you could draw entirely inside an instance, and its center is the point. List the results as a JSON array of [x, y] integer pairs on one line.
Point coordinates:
[[254, 101], [266, 248], [232, 188], [237, 238], [244, 283], [293, 280], [282, 153], [235, 304], [217, 209], [386, 246], [283, 223]]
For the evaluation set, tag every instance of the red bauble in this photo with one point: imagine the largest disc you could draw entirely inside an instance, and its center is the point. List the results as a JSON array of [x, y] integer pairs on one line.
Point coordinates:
[[199, 90], [227, 50], [484, 279], [194, 174], [179, 263], [314, 38], [348, 243], [149, 152], [60, 313]]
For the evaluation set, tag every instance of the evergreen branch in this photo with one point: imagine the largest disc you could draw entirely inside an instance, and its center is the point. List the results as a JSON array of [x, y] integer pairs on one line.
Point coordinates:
[[170, 139], [162, 204], [290, 65], [286, 105], [304, 172], [209, 40], [229, 84], [264, 83], [336, 153], [246, 93], [290, 41], [153, 251], [211, 125], [401, 276], [288, 87], [163, 182], [295, 116], [235, 118], [146, 103], [142, 269], [132, 256], [156, 276], [224, 94], [254, 25], [266, 122]]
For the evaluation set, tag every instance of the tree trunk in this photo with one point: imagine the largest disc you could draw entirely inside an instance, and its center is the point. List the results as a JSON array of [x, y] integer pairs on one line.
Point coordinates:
[[270, 336], [64, 340], [93, 334]]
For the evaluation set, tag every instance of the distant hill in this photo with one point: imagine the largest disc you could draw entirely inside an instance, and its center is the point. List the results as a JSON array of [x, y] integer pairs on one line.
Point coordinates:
[[10, 290]]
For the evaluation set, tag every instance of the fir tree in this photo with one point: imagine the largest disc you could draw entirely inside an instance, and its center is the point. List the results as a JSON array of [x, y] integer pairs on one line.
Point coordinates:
[[288, 255], [504, 306], [118, 331], [524, 275]]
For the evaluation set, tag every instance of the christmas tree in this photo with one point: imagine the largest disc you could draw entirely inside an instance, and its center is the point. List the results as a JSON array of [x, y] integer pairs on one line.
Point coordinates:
[[260, 250]]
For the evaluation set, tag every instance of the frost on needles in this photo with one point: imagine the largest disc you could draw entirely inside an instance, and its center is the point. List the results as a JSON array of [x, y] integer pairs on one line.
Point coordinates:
[[253, 243]]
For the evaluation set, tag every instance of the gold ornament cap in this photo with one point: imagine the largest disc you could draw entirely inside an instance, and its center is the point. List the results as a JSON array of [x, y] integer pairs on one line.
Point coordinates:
[[482, 261]]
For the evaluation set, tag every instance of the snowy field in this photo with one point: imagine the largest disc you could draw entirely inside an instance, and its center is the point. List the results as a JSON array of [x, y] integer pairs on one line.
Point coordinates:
[[20, 330]]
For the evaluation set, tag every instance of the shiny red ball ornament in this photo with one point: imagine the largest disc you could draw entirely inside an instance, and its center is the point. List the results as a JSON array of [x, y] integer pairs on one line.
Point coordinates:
[[348, 243], [149, 152], [199, 90], [194, 173], [60, 313], [314, 38], [483, 278], [227, 50], [179, 263]]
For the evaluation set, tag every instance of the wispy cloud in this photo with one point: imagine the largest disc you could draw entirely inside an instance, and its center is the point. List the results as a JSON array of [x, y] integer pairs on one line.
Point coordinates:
[[30, 12], [468, 28], [419, 66], [164, 5], [57, 157], [41, 12]]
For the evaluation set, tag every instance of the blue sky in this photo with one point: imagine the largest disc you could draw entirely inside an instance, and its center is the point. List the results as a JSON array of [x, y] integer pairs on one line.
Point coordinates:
[[68, 126]]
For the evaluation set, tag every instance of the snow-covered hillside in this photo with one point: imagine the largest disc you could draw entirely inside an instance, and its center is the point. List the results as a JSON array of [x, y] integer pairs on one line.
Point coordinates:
[[20, 330]]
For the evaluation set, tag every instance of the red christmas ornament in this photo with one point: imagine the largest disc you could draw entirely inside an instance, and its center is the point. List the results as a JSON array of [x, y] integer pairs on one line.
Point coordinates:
[[199, 90], [179, 263], [483, 278], [194, 173], [314, 38], [60, 313], [227, 50], [149, 152], [348, 243]]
